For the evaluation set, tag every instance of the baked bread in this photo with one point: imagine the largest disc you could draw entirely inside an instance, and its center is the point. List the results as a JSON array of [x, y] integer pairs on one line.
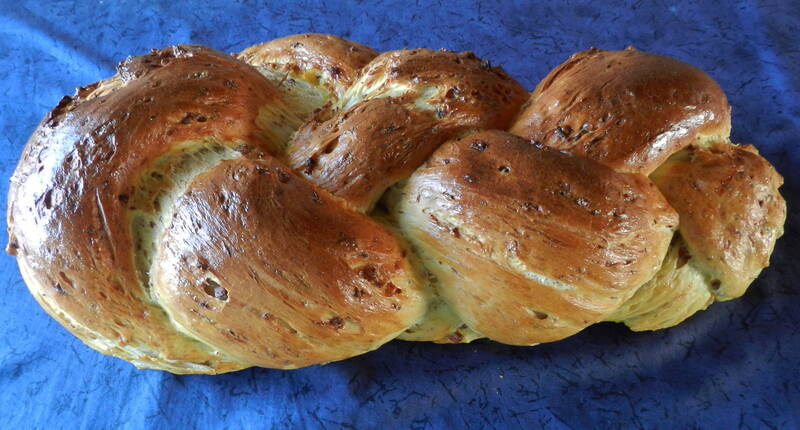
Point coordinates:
[[309, 200]]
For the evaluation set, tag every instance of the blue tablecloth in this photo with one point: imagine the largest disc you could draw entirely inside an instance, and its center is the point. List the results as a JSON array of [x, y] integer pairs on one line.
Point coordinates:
[[736, 365]]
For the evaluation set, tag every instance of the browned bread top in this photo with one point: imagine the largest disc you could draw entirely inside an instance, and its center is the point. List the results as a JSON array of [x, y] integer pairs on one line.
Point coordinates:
[[627, 109], [309, 200]]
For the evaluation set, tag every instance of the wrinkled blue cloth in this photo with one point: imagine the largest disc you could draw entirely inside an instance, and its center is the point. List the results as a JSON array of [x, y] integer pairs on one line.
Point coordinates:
[[736, 365]]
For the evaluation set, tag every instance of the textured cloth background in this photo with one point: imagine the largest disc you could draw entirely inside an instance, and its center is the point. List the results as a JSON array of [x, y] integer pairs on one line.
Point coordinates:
[[736, 365]]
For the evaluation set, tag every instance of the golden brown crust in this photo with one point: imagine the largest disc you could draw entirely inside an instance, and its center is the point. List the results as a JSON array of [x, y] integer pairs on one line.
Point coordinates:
[[261, 264], [401, 109], [632, 111], [550, 241], [730, 210], [151, 215], [317, 58], [627, 109], [70, 196], [460, 88], [360, 153]]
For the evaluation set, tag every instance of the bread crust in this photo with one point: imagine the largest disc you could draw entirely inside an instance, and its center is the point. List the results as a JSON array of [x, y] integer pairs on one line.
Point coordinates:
[[730, 210], [202, 213], [320, 58], [629, 110], [551, 241], [271, 269], [72, 194]]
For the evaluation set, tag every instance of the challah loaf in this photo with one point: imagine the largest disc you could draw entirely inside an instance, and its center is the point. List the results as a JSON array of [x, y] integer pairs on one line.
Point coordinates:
[[309, 200]]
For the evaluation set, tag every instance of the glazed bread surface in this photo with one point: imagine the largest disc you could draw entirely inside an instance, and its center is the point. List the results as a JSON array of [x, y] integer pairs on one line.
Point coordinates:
[[311, 199]]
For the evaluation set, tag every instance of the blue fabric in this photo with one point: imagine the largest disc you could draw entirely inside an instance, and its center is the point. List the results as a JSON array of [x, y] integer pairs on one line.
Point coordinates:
[[736, 365]]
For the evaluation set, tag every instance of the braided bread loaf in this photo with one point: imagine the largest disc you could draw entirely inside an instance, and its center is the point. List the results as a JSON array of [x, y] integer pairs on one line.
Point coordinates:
[[309, 200]]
